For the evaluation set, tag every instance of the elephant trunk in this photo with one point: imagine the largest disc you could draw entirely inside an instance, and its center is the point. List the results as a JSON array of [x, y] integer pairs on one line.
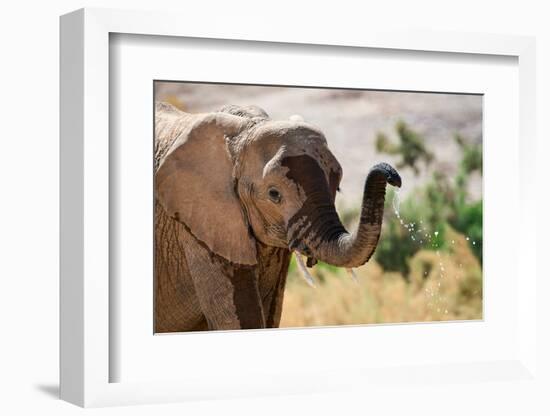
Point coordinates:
[[322, 235]]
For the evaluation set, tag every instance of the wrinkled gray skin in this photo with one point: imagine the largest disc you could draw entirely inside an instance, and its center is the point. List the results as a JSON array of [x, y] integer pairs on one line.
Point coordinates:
[[236, 193]]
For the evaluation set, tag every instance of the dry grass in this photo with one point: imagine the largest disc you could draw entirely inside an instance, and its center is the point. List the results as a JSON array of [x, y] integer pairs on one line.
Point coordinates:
[[440, 286]]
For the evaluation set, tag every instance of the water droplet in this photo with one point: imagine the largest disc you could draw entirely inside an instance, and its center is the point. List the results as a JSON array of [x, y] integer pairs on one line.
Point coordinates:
[[452, 241], [436, 233], [467, 238], [474, 243]]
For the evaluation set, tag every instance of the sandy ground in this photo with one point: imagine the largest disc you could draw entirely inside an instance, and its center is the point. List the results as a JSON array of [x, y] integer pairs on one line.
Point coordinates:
[[351, 120]]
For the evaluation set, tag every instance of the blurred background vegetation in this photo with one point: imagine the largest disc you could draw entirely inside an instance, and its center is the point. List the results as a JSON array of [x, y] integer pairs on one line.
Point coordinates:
[[428, 263]]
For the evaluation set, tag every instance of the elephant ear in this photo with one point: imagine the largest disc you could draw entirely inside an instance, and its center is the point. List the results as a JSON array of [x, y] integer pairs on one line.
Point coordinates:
[[195, 187]]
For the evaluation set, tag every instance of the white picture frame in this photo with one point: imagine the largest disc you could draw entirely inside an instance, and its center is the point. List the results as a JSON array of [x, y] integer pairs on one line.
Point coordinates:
[[86, 356]]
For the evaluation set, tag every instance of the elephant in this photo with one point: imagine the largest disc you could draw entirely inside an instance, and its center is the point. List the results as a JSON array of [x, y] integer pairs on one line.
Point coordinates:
[[236, 193]]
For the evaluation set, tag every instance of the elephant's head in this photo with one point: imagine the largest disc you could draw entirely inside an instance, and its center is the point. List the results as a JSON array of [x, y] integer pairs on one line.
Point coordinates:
[[236, 176]]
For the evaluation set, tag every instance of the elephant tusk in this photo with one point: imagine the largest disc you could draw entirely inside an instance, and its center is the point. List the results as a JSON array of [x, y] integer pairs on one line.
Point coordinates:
[[304, 271], [353, 275]]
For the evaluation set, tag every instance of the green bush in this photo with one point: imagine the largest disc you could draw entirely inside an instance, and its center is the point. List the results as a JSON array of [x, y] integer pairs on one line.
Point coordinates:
[[468, 220], [421, 225], [395, 248], [467, 217], [429, 211]]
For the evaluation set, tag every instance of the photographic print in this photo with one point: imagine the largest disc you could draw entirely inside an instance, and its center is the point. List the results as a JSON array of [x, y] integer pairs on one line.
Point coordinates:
[[283, 206]]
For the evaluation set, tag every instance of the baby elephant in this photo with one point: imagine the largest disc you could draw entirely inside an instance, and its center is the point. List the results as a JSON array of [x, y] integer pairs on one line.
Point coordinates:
[[236, 194]]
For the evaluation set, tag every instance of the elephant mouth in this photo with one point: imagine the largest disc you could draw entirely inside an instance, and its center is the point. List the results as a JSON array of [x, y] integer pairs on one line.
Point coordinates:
[[300, 248], [311, 261]]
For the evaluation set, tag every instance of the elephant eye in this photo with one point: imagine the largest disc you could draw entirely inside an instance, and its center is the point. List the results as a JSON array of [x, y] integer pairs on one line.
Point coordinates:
[[274, 195]]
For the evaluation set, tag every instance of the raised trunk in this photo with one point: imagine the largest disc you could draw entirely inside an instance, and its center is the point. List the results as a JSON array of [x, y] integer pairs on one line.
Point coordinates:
[[324, 237]]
